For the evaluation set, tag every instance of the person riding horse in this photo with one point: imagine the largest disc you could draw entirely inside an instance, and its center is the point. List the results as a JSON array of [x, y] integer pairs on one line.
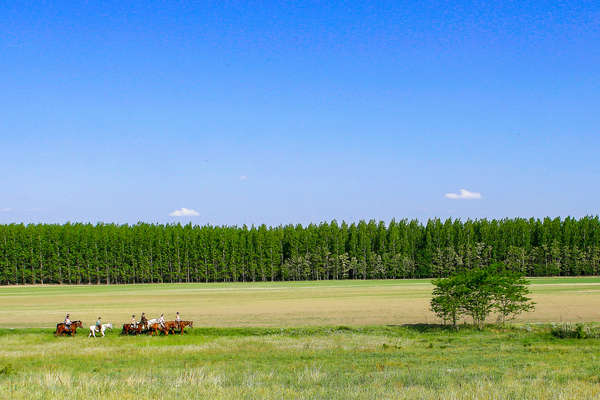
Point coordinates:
[[67, 327], [68, 323], [161, 321], [134, 323], [143, 320], [99, 325], [178, 320]]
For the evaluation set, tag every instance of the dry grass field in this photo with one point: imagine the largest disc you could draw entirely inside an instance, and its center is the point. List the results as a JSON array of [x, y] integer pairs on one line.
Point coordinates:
[[278, 304]]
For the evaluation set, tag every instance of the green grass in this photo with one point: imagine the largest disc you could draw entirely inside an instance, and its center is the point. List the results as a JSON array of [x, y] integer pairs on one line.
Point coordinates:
[[413, 362]]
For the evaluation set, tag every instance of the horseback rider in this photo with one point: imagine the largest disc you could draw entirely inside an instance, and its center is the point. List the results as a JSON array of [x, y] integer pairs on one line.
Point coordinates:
[[133, 322], [161, 321], [67, 323], [143, 320], [178, 320], [99, 324]]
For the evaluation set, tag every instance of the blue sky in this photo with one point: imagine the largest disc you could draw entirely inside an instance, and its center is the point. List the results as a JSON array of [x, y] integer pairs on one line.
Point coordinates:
[[285, 112]]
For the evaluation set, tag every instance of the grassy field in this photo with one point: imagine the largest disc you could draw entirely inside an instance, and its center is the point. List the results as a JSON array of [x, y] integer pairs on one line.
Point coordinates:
[[278, 304], [330, 340], [410, 362]]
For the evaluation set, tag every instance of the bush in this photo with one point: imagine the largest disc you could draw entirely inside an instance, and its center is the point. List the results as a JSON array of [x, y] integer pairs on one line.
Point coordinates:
[[577, 331], [7, 370]]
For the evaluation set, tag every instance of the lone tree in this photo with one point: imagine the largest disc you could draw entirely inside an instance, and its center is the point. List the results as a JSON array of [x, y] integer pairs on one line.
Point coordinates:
[[479, 292]]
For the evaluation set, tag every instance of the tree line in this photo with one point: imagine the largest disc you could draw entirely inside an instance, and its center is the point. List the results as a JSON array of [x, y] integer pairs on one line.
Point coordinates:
[[150, 253]]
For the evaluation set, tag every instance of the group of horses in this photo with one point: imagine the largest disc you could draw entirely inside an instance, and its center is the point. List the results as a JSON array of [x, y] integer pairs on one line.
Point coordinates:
[[151, 327]]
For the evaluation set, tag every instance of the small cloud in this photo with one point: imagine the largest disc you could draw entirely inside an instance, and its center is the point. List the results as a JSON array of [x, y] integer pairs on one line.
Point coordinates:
[[463, 195], [243, 177], [184, 212], [7, 209]]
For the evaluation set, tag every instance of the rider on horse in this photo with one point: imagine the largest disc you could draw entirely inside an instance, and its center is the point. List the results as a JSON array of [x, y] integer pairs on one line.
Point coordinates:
[[133, 322], [161, 321], [99, 324], [178, 320], [67, 323], [143, 320]]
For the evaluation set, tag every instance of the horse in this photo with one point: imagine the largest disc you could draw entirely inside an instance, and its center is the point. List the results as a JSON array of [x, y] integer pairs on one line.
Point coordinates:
[[61, 328], [172, 326], [129, 329], [155, 328], [183, 324], [103, 328], [151, 322]]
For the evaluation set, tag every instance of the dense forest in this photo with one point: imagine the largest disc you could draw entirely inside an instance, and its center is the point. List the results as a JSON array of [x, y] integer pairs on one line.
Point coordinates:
[[108, 253]]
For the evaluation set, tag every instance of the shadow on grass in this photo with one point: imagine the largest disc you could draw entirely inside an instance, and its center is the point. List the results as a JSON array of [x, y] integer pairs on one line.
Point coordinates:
[[424, 328]]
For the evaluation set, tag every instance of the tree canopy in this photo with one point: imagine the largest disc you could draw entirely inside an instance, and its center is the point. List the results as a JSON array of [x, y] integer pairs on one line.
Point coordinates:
[[109, 253]]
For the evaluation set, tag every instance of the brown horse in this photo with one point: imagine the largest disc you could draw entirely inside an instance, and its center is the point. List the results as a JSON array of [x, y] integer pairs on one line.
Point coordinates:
[[171, 326], [155, 329], [183, 324], [174, 326], [129, 329], [61, 328]]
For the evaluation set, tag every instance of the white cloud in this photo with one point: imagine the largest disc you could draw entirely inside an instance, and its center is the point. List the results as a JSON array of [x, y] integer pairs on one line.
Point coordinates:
[[7, 209], [463, 195], [184, 212], [243, 177]]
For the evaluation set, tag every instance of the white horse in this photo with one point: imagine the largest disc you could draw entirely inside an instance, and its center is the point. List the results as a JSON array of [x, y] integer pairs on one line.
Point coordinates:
[[151, 322], [102, 330]]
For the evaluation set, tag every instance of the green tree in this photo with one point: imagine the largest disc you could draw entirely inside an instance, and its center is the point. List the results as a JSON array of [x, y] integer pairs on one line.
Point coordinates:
[[448, 298], [510, 295], [480, 285]]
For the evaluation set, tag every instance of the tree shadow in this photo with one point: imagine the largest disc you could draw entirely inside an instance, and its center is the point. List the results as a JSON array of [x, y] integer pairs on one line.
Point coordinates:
[[422, 328]]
